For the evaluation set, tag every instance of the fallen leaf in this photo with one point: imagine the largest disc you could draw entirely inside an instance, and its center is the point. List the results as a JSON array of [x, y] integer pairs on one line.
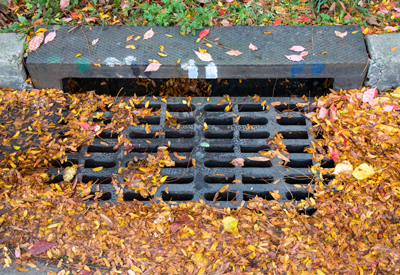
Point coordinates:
[[234, 52], [252, 47], [340, 34], [294, 57], [204, 33], [238, 162], [127, 147], [223, 189], [137, 38], [225, 23], [372, 21], [258, 158], [97, 169], [204, 56], [129, 38], [303, 54], [221, 270], [297, 48], [342, 5], [40, 247], [50, 37], [363, 171], [390, 28], [343, 167], [393, 49], [108, 221], [275, 194], [148, 34], [360, 3], [64, 4], [133, 47], [204, 144], [175, 227], [153, 67], [230, 225], [369, 95], [335, 153], [69, 173], [94, 42], [199, 260], [35, 42], [323, 113]]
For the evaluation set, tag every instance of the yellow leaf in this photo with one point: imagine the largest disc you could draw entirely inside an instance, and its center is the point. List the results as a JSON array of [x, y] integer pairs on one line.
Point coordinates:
[[178, 62], [275, 194], [162, 54], [230, 224], [79, 54], [267, 32], [205, 126], [393, 49], [16, 134], [202, 51], [129, 37], [98, 169], [354, 32], [16, 147], [199, 260], [227, 108], [208, 45], [194, 162], [146, 105], [69, 173], [319, 272], [137, 38], [106, 262], [131, 47], [168, 35], [396, 92], [39, 31], [340, 187], [223, 188], [298, 186], [363, 171]]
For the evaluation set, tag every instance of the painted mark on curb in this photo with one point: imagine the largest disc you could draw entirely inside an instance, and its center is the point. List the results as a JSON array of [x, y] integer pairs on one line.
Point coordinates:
[[298, 67], [317, 68], [54, 59], [83, 63], [192, 69], [211, 71]]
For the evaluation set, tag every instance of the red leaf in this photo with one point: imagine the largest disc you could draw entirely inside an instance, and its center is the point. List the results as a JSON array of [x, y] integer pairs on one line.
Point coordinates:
[[335, 153], [175, 227], [40, 247], [204, 33], [344, 139], [85, 272], [277, 22], [221, 12], [127, 147], [238, 162]]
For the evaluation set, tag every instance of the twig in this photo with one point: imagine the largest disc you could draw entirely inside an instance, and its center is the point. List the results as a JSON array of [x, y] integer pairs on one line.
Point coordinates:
[[87, 43], [366, 65], [218, 44], [337, 43], [347, 41], [134, 31]]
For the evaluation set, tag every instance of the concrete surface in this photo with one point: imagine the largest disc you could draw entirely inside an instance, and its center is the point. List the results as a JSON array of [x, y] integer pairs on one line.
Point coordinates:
[[41, 270], [12, 73], [384, 64], [4, 3]]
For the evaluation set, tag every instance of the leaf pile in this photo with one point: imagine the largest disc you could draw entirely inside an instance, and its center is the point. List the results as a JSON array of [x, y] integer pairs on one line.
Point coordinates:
[[353, 231]]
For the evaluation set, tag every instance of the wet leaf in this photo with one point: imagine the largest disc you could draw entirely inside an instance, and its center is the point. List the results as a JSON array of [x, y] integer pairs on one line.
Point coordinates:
[[222, 190], [94, 42], [97, 169], [363, 171], [294, 57], [129, 38], [204, 144], [343, 167], [40, 247], [50, 37], [238, 162], [204, 33], [234, 53], [108, 221], [133, 47], [64, 4], [297, 48], [303, 54], [35, 42], [258, 158], [153, 67], [252, 47], [230, 225], [199, 260], [148, 34], [69, 173], [204, 56], [175, 227], [340, 34]]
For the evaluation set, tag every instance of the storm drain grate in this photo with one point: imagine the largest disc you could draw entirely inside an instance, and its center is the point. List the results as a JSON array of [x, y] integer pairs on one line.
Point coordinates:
[[226, 138]]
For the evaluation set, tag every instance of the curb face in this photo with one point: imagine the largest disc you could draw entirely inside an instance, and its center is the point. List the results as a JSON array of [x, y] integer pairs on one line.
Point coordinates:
[[344, 60]]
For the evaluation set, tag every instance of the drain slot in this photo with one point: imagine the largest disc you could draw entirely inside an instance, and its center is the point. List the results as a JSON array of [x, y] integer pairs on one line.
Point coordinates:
[[102, 120], [289, 108], [150, 120], [96, 180], [247, 179], [294, 134], [183, 179], [296, 148], [179, 134], [216, 108], [180, 108], [143, 135], [226, 196], [181, 148], [251, 108], [101, 149], [67, 163], [298, 195], [144, 149], [106, 134], [182, 164], [219, 178], [253, 121], [219, 121], [130, 196], [104, 197], [219, 149], [253, 135], [303, 163], [217, 163], [91, 163], [175, 196], [218, 134], [292, 121], [298, 179], [251, 195], [254, 148], [252, 163]]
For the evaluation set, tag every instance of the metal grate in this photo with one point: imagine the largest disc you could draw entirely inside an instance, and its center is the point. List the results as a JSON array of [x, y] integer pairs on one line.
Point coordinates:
[[227, 140]]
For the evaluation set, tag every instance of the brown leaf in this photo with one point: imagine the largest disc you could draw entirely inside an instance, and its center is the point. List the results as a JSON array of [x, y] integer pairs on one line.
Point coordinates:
[[108, 221], [372, 21], [221, 270], [238, 162], [258, 158]]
